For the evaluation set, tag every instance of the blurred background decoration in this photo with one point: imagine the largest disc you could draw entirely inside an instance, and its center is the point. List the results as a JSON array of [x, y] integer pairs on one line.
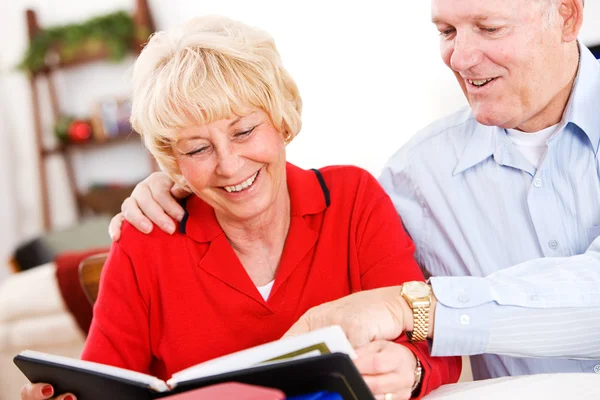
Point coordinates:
[[107, 37], [110, 34], [42, 305]]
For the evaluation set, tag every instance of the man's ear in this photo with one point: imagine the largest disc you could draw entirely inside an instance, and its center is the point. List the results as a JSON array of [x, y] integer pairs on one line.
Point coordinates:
[[571, 12]]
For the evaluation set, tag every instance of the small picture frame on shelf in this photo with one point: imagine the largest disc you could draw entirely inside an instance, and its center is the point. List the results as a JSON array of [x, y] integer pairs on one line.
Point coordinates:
[[110, 118]]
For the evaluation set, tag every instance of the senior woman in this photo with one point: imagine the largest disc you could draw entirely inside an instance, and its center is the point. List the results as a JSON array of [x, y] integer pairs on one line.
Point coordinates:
[[262, 241]]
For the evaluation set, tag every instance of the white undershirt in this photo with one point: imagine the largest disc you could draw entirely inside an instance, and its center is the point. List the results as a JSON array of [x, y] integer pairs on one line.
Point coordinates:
[[265, 291], [532, 145]]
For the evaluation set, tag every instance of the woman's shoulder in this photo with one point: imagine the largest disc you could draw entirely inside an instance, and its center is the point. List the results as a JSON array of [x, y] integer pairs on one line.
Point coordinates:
[[348, 177], [133, 241]]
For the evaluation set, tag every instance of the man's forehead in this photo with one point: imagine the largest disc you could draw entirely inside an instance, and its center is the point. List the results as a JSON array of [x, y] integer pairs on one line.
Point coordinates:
[[475, 10]]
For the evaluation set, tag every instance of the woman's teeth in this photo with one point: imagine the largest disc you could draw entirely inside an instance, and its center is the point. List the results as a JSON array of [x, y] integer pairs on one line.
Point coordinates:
[[480, 82], [242, 186]]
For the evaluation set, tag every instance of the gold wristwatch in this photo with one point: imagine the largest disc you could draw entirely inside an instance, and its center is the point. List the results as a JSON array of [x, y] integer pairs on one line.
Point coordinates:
[[418, 377], [418, 296]]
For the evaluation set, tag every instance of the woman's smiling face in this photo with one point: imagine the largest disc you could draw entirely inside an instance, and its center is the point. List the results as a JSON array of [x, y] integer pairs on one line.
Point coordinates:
[[235, 165]]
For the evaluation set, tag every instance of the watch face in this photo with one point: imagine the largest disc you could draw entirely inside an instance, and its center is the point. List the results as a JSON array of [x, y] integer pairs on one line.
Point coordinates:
[[417, 289]]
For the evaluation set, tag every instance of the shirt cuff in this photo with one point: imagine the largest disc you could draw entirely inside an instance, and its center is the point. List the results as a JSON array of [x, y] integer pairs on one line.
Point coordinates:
[[463, 315]]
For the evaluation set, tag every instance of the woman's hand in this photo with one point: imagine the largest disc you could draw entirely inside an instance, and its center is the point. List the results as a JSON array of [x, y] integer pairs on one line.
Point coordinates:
[[42, 391], [153, 200], [388, 369]]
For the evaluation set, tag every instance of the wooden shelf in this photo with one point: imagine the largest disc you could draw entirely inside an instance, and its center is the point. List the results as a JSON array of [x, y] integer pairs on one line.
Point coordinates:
[[83, 58], [80, 59], [93, 143], [96, 199]]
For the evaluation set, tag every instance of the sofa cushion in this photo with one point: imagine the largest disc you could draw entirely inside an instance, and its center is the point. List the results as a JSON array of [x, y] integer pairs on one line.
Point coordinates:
[[67, 274], [86, 234], [43, 331], [30, 294]]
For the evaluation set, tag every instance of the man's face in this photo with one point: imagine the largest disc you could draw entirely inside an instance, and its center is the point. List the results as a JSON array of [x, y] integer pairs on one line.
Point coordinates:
[[506, 56]]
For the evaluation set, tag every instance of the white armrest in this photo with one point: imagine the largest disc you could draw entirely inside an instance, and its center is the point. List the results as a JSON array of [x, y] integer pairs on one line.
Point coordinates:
[[30, 294]]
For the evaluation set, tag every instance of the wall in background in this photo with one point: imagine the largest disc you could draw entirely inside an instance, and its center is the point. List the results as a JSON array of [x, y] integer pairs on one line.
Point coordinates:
[[369, 80]]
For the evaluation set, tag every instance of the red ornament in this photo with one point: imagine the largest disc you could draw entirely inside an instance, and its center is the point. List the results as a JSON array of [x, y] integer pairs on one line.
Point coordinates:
[[80, 131]]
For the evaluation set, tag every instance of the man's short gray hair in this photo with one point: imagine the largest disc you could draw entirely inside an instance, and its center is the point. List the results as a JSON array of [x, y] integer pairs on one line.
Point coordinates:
[[551, 8]]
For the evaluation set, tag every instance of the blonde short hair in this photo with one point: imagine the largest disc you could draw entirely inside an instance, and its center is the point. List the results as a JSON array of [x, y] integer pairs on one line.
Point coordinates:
[[211, 68]]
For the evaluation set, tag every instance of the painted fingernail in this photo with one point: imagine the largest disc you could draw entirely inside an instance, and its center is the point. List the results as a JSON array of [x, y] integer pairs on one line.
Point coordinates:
[[47, 391], [69, 397]]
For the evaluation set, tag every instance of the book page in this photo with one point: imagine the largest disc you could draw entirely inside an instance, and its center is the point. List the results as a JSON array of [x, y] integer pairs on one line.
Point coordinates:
[[322, 341], [148, 380]]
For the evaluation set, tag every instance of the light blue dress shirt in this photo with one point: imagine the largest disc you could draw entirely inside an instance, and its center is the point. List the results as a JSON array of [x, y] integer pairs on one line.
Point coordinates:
[[514, 252]]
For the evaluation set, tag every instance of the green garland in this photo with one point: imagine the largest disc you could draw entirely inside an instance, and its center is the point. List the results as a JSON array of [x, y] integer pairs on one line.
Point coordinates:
[[114, 31]]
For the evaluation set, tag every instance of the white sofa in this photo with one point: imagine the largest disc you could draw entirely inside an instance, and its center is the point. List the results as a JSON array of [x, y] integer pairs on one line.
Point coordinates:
[[33, 316]]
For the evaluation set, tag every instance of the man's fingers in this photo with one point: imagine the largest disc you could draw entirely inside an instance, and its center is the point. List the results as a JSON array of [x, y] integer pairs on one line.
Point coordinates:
[[132, 213], [167, 203], [153, 211], [379, 357], [402, 395], [386, 367], [151, 201], [372, 360], [114, 228], [357, 334], [178, 192], [389, 383]]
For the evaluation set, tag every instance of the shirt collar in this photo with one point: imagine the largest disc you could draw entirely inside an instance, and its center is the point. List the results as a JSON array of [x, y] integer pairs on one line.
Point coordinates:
[[480, 146], [582, 110], [307, 197]]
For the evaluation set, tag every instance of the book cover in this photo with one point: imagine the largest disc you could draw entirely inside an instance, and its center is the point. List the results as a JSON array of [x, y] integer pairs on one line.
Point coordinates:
[[316, 361]]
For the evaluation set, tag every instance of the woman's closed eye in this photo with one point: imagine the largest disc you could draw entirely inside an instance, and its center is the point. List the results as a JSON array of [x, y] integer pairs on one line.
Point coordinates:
[[244, 133], [199, 150]]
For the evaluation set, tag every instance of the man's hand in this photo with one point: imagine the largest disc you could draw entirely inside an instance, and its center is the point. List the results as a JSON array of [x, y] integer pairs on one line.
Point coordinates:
[[153, 200], [378, 314], [387, 367]]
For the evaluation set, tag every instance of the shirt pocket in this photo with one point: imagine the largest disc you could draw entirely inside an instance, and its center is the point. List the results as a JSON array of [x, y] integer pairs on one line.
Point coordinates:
[[593, 233]]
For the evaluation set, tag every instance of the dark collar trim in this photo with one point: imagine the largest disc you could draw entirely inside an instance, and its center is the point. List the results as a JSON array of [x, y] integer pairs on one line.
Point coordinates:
[[324, 187], [186, 215]]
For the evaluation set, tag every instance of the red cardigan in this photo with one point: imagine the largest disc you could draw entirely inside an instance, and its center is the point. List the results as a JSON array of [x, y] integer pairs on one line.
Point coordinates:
[[168, 302]]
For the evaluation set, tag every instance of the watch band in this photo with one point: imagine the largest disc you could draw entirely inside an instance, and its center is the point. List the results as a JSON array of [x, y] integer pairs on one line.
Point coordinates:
[[420, 322], [418, 377], [418, 296]]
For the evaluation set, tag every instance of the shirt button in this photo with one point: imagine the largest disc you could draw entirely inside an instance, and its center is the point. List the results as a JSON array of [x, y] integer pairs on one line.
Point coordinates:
[[466, 320], [553, 244], [537, 182], [597, 368]]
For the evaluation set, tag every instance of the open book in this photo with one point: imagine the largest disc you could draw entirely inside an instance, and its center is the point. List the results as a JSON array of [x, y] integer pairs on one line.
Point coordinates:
[[314, 361]]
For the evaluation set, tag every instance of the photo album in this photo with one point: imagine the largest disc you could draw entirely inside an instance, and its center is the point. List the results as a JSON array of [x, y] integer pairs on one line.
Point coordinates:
[[316, 361]]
